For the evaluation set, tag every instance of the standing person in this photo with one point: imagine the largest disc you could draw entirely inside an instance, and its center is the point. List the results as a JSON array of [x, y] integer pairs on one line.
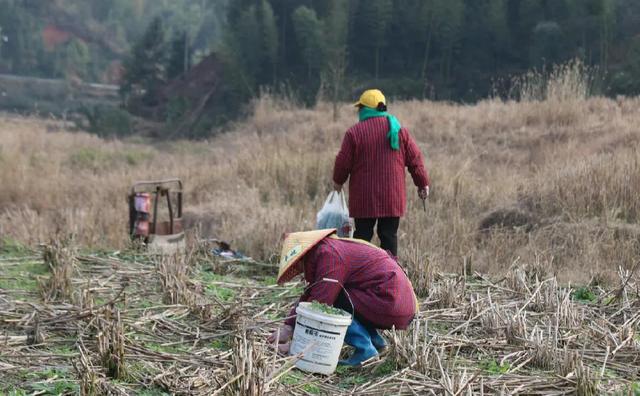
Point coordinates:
[[373, 156], [352, 275]]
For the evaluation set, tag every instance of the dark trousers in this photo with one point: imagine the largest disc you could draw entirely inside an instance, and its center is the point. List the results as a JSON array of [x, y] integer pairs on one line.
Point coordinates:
[[387, 232]]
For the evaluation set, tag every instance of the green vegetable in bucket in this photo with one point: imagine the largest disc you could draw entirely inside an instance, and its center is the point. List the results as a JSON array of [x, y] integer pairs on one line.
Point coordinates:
[[327, 309]]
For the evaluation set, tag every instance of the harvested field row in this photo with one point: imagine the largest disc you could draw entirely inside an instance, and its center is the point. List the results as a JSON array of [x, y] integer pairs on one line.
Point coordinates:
[[126, 323]]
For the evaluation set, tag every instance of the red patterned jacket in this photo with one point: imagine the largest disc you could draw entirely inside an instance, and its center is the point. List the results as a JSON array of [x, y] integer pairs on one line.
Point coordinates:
[[378, 287], [376, 171]]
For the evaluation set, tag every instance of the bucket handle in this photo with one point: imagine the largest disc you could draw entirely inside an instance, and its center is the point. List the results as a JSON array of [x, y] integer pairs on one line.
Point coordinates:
[[353, 308]]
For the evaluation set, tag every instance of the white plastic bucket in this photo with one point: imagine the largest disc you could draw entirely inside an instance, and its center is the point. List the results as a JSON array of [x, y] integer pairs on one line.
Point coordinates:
[[318, 338]]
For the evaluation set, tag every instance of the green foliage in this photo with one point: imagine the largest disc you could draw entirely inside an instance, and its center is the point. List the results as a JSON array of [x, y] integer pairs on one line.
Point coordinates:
[[492, 367], [17, 392], [627, 79], [269, 35], [633, 389], [48, 382], [312, 388], [107, 121], [220, 292], [22, 276], [442, 49], [145, 70], [65, 351], [56, 387], [177, 107], [386, 368], [99, 29], [180, 56], [445, 48], [336, 25], [295, 378], [336, 30], [309, 34], [584, 294], [327, 309], [221, 344], [9, 247], [290, 379], [251, 47], [352, 380], [269, 280], [374, 18], [22, 49], [76, 59], [547, 43]]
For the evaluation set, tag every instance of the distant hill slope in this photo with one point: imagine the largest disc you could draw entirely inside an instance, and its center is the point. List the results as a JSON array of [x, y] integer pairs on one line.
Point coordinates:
[[89, 39], [88, 30]]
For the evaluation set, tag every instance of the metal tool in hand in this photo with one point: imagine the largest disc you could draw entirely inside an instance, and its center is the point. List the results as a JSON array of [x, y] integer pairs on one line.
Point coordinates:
[[424, 198]]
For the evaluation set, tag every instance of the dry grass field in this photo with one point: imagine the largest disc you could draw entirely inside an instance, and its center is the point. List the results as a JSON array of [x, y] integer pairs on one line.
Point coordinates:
[[528, 199], [553, 182]]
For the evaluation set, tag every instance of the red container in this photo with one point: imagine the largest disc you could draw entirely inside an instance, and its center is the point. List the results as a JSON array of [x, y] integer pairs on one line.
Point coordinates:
[[142, 228], [142, 202]]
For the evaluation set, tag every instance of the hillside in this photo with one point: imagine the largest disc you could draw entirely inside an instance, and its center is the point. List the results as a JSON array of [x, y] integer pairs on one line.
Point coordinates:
[[90, 39]]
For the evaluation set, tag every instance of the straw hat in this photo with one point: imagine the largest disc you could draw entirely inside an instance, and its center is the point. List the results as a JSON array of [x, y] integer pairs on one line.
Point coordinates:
[[294, 247]]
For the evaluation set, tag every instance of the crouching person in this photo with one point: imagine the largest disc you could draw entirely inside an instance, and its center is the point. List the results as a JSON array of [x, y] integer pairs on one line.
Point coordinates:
[[353, 275]]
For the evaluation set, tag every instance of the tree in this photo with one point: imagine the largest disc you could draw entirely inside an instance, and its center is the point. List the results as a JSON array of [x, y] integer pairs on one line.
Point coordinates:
[[448, 17], [76, 59], [375, 16], [269, 39], [481, 45], [21, 41], [425, 27], [336, 31], [455, 49], [309, 32], [546, 43], [250, 49], [241, 51], [180, 55], [145, 68]]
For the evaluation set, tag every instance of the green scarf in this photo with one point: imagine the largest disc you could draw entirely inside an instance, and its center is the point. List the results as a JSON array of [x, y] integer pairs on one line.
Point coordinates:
[[394, 124]]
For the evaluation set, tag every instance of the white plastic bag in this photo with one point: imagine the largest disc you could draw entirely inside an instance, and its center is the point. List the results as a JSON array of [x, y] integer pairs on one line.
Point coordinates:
[[335, 214]]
